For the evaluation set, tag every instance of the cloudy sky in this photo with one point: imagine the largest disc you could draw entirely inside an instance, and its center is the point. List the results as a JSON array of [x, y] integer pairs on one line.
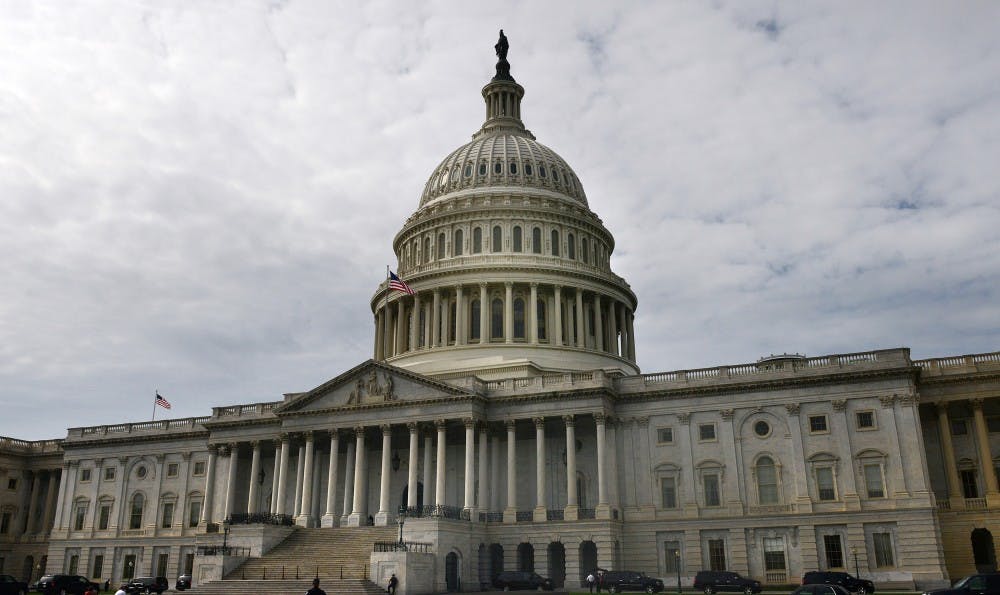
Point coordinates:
[[199, 197]]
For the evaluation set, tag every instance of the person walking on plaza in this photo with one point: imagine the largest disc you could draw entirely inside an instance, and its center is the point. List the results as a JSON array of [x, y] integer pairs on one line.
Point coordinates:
[[393, 581], [315, 589], [121, 591], [590, 582]]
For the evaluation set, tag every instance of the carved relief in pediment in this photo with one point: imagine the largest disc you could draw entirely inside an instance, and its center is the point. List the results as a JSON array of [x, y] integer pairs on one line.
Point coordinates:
[[372, 389]]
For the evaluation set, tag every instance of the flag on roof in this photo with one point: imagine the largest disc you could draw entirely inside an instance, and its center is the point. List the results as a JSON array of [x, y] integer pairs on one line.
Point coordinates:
[[398, 284], [162, 402]]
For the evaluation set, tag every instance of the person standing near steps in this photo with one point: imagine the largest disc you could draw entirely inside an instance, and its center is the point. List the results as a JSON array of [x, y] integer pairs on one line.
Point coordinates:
[[315, 589]]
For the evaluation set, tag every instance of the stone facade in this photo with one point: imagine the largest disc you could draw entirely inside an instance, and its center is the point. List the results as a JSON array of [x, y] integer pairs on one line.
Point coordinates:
[[504, 414]]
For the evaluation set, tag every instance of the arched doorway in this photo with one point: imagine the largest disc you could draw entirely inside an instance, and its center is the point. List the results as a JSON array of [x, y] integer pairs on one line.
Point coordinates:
[[588, 560], [983, 550], [406, 496], [29, 568], [451, 572], [557, 563], [484, 566], [496, 560], [526, 557]]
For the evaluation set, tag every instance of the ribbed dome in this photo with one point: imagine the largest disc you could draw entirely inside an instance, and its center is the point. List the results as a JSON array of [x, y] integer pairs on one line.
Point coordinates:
[[505, 159]]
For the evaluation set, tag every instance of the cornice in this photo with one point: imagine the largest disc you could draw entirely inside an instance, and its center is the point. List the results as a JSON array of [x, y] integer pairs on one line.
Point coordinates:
[[972, 377], [134, 438], [385, 405]]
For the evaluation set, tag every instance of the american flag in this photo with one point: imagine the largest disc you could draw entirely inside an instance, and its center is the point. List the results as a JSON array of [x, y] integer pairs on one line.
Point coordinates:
[[162, 402], [398, 284]]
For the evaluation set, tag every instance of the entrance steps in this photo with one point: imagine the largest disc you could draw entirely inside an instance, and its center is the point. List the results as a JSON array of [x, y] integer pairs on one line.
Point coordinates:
[[347, 586]]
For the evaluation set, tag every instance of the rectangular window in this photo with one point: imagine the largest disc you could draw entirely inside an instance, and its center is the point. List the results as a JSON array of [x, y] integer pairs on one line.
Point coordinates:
[[817, 424], [665, 435], [171, 469], [81, 517], [717, 554], [168, 516], [970, 487], [883, 550], [105, 518], [5, 523], [824, 484], [74, 564], [873, 480], [706, 432], [834, 552], [199, 468], [194, 514], [865, 420], [958, 427], [128, 567], [98, 569], [774, 553], [188, 563], [109, 474], [669, 492], [85, 475], [12, 483], [712, 498], [672, 557], [161, 565]]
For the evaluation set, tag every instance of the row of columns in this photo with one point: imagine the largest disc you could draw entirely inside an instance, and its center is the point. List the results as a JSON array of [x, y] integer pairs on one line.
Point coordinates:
[[354, 509], [399, 329], [955, 493], [38, 514]]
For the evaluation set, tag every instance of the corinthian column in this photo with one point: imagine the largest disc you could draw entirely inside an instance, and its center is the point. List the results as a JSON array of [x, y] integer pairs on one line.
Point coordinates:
[[985, 455], [436, 319], [581, 338], [331, 482], [540, 471], [234, 458], [533, 314], [305, 508], [282, 475], [460, 332], [470, 464], [603, 508], [254, 472], [357, 512], [508, 312], [510, 512], [484, 320], [951, 468], [572, 508], [439, 494], [400, 326], [557, 323], [206, 510], [598, 322], [411, 473], [382, 516]]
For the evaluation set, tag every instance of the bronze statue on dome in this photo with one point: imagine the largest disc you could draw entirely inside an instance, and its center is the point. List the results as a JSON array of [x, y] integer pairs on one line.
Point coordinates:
[[502, 46], [503, 67]]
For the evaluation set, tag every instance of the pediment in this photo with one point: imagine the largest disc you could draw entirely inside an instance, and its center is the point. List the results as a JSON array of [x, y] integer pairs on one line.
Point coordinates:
[[370, 384]]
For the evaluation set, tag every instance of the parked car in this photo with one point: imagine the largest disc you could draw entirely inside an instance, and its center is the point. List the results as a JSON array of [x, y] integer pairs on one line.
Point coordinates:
[[843, 579], [11, 586], [821, 590], [618, 581], [719, 581], [147, 584], [974, 584], [183, 582], [511, 580], [64, 584]]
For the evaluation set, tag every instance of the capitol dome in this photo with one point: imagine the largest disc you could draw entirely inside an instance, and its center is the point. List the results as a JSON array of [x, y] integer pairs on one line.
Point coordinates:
[[510, 269]]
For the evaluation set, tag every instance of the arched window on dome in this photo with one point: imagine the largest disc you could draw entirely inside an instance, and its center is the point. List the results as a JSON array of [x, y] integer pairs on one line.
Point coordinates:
[[517, 239], [527, 169], [541, 171], [475, 314], [555, 242], [767, 480], [468, 170], [456, 248], [513, 168], [496, 319], [455, 173], [555, 175], [483, 169], [570, 247], [584, 252], [477, 240], [519, 318], [497, 239], [498, 168], [135, 514], [444, 179], [542, 335], [536, 240], [427, 250], [441, 246]]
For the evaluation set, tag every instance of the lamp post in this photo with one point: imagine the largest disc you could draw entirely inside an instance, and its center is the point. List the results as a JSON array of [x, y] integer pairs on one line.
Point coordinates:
[[677, 564], [854, 551], [400, 519], [131, 566], [225, 536]]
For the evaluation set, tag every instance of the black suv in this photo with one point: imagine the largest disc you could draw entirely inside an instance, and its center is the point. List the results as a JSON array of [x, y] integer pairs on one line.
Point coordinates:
[[11, 586], [147, 584], [60, 584], [617, 581], [717, 581], [852, 584], [511, 580], [974, 584]]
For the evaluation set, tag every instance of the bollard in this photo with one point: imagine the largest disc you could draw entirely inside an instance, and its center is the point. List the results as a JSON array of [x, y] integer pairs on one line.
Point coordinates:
[[282, 572], [296, 572]]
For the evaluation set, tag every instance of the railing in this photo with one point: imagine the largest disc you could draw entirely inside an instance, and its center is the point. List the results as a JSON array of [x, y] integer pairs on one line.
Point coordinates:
[[219, 550], [944, 505], [586, 513], [490, 517], [436, 510], [776, 577], [515, 259], [185, 423], [975, 503], [402, 546], [241, 410], [772, 508], [261, 518], [133, 533], [40, 446], [959, 361], [555, 515], [524, 516]]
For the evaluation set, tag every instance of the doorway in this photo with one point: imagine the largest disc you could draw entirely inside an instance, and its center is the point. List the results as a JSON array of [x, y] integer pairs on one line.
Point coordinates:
[[557, 563]]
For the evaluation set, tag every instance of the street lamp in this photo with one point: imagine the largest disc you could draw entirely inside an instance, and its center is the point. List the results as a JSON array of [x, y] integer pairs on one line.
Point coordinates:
[[225, 536], [677, 564], [400, 519], [854, 551]]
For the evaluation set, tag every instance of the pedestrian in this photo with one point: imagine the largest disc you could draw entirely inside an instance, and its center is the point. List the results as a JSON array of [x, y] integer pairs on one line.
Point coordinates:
[[393, 581], [600, 581], [107, 585], [590, 581], [121, 591], [315, 589]]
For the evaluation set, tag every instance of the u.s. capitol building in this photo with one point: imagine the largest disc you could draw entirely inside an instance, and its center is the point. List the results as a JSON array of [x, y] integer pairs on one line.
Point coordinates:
[[503, 413]]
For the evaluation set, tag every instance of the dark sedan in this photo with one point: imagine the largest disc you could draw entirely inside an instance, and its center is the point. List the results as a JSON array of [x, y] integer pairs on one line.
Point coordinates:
[[11, 586]]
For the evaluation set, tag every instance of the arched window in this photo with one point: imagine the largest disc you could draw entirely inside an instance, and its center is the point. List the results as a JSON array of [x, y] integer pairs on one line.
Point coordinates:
[[497, 238], [536, 240], [555, 242], [496, 319], [475, 316], [527, 169], [542, 336], [427, 250], [456, 248], [482, 169], [477, 240], [570, 247], [498, 168], [513, 168], [584, 252], [468, 170], [518, 318], [135, 516], [517, 238], [767, 481], [441, 243], [541, 170]]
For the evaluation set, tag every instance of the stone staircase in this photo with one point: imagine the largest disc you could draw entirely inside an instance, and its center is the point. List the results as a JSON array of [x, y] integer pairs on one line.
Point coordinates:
[[338, 556]]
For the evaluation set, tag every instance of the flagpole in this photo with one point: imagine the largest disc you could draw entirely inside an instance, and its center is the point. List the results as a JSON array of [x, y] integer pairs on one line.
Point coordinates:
[[156, 392], [385, 317]]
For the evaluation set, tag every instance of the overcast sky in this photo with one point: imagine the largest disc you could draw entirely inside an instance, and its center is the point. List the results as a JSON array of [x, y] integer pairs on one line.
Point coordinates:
[[199, 197]]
